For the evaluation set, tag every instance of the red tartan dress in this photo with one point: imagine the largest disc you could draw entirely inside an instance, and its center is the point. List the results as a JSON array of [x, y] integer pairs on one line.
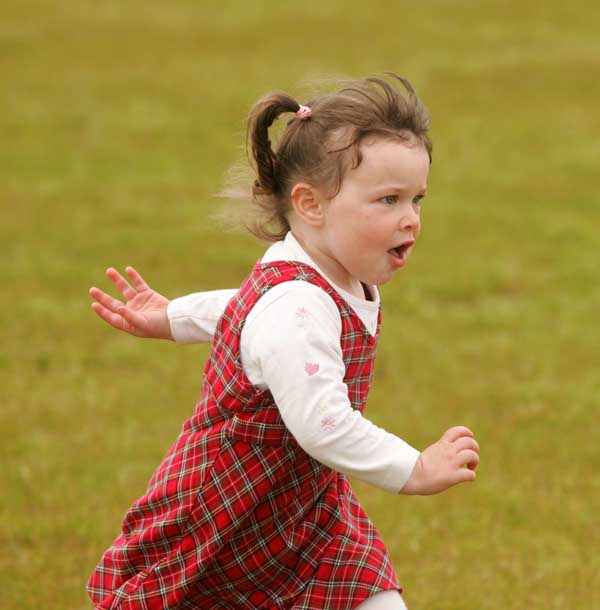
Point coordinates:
[[238, 516]]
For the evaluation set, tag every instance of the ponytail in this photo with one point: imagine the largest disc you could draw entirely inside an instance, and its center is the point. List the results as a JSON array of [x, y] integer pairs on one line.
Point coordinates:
[[264, 113]]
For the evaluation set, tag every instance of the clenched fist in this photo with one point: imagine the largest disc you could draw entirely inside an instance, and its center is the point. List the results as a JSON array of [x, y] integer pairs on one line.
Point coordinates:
[[452, 460]]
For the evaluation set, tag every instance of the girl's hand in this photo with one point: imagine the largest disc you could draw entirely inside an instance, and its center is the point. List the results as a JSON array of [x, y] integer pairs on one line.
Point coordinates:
[[144, 314], [452, 460]]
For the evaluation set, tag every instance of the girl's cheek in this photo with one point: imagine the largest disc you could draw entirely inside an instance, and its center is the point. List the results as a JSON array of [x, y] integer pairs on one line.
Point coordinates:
[[368, 220]]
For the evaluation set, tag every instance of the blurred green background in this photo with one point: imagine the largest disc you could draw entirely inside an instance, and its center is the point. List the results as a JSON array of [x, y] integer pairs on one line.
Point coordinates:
[[118, 121]]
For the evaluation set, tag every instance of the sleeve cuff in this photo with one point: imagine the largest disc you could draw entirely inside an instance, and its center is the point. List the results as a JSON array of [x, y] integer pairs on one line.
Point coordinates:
[[405, 458], [186, 328]]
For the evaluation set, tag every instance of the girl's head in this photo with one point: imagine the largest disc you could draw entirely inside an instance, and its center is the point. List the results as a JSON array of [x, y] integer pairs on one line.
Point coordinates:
[[330, 171]]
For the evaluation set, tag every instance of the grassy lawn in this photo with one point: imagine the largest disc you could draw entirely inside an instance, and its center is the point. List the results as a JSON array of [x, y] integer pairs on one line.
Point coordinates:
[[118, 121]]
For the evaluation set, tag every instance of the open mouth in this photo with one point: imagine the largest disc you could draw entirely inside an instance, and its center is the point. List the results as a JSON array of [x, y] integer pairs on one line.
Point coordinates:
[[400, 251]]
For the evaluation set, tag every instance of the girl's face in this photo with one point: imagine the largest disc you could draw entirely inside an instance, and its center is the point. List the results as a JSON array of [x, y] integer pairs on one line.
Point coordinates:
[[376, 210]]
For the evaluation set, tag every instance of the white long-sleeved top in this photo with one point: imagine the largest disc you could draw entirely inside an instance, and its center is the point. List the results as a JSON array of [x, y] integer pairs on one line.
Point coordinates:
[[305, 372]]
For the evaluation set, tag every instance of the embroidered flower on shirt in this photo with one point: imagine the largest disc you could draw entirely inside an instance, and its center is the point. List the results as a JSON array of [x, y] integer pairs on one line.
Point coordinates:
[[302, 315], [302, 312], [311, 368], [328, 423]]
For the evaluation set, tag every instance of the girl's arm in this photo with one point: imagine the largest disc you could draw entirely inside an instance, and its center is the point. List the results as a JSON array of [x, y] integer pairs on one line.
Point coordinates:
[[193, 318], [291, 344], [147, 313]]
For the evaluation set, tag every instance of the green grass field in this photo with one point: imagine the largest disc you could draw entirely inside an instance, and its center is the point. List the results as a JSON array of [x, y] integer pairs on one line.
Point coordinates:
[[118, 121]]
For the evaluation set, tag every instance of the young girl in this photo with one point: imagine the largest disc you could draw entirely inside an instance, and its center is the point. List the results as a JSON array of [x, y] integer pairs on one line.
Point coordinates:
[[251, 507]]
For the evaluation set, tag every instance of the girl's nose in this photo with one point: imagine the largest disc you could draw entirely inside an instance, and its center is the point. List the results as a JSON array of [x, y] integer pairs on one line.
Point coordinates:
[[410, 220]]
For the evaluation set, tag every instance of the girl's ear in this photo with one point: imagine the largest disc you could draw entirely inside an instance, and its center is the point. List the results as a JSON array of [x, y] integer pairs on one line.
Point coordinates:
[[308, 203]]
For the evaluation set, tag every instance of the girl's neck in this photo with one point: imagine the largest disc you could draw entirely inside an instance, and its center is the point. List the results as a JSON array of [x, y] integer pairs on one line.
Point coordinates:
[[351, 285]]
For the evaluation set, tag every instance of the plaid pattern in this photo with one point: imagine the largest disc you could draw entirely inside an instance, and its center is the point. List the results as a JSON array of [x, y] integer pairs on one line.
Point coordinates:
[[238, 516]]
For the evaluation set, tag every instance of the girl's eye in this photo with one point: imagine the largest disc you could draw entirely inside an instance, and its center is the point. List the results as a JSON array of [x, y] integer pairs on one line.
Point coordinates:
[[389, 199]]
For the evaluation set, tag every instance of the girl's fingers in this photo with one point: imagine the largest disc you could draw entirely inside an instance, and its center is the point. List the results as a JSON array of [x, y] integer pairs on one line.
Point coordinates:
[[463, 475], [468, 458], [105, 299], [137, 321], [122, 320], [115, 320], [137, 279], [455, 433], [121, 283], [466, 442]]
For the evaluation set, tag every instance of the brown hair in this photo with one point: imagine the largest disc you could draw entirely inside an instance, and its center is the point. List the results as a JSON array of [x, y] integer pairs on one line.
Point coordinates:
[[318, 149]]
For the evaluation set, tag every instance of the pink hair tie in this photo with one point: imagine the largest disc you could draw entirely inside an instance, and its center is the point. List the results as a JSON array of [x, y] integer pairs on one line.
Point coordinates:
[[304, 112]]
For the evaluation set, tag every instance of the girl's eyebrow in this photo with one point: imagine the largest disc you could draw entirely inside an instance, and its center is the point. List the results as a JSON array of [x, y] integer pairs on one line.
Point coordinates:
[[400, 187]]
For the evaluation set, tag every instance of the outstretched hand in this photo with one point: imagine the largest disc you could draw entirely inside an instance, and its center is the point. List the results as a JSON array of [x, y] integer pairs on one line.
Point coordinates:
[[452, 460], [144, 313]]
